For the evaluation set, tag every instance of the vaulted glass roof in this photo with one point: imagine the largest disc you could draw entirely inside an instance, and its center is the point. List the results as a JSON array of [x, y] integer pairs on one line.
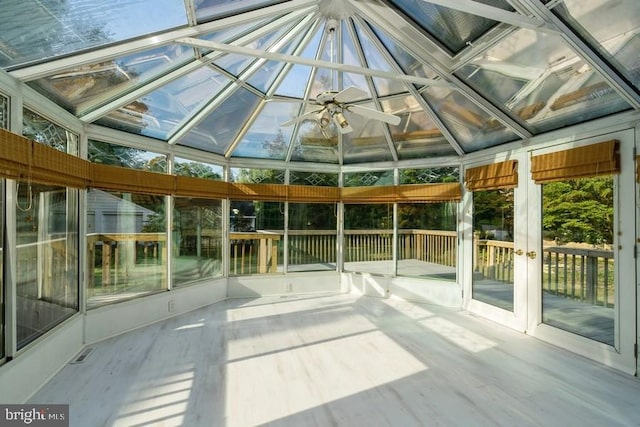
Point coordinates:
[[329, 81]]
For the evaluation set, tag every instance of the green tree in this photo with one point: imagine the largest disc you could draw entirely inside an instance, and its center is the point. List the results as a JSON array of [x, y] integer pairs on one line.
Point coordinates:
[[579, 210]]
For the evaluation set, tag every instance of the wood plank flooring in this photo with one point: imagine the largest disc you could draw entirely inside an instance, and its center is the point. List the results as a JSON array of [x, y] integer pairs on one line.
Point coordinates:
[[337, 360]]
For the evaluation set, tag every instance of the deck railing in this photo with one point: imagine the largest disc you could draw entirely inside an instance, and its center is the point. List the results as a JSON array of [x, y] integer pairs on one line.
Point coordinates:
[[581, 274]]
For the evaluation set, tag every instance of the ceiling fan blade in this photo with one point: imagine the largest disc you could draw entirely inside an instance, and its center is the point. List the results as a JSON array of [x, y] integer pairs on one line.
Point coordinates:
[[374, 114], [350, 94], [305, 116]]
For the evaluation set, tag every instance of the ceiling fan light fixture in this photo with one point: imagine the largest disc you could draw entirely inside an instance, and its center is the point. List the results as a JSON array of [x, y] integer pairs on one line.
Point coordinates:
[[324, 119], [340, 120]]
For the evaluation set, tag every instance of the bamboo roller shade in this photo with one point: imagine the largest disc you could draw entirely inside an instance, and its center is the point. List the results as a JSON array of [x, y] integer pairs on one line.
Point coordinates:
[[493, 176], [638, 168], [23, 159], [591, 160]]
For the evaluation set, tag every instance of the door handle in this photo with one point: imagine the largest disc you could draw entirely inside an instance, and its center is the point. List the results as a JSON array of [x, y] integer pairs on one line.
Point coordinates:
[[519, 252], [532, 254]]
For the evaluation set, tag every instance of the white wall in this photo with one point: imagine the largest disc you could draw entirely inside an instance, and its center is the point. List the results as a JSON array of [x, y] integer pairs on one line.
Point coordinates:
[[108, 321], [285, 284], [34, 365]]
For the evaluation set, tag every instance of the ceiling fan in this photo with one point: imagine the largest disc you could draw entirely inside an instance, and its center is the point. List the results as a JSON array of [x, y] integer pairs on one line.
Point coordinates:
[[332, 105]]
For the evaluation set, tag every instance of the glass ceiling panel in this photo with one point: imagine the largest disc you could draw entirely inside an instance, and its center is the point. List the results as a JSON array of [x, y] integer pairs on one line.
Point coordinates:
[[220, 128], [367, 142], [409, 64], [472, 127], [268, 72], [312, 145], [80, 88], [207, 10], [619, 42], [541, 81], [452, 28], [236, 64], [375, 60], [158, 113], [417, 136], [266, 138], [296, 80], [40, 29]]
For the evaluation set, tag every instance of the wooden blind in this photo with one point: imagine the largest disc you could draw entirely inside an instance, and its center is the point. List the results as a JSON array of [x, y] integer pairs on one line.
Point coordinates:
[[123, 179], [379, 194], [428, 193], [264, 192], [23, 159], [493, 176], [199, 187], [307, 193], [638, 168], [410, 193], [591, 160]]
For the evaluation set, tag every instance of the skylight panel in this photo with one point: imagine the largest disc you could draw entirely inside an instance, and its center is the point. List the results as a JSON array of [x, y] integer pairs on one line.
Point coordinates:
[[207, 10], [80, 88], [612, 27], [452, 28], [541, 81], [158, 113], [42, 29]]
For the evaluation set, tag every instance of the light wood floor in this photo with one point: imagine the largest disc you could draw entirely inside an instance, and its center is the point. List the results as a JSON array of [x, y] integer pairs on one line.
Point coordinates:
[[337, 360]]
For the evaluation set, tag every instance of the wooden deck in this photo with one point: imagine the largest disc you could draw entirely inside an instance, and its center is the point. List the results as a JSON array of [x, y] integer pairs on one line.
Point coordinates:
[[337, 360]]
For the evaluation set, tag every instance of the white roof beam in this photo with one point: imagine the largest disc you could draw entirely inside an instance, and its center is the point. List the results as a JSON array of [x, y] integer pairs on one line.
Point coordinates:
[[232, 48]]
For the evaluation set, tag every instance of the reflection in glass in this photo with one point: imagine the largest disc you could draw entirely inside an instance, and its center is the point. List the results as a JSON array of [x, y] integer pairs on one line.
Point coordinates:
[[197, 240], [548, 88], [368, 238], [312, 236], [185, 167], [452, 28], [4, 112], [46, 258], [44, 29], [219, 129], [126, 157], [313, 178], [472, 127], [207, 10], [618, 43], [578, 265], [266, 138], [416, 136], [160, 112], [256, 237], [492, 280], [126, 246], [427, 240], [81, 88]]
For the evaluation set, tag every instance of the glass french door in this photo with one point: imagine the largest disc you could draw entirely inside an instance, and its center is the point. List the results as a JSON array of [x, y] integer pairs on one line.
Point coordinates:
[[498, 285], [581, 285]]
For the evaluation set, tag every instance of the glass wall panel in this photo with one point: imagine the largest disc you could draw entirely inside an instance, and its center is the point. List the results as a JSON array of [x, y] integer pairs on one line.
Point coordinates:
[[126, 246], [126, 157], [368, 238], [186, 167], [257, 237], [257, 176], [197, 240], [578, 265], [42, 130], [313, 178], [46, 258], [4, 112], [368, 178], [492, 280], [312, 236], [427, 240]]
